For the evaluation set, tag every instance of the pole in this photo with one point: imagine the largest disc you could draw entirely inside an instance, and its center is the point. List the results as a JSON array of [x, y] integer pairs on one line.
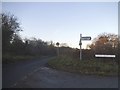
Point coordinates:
[[80, 47], [58, 50]]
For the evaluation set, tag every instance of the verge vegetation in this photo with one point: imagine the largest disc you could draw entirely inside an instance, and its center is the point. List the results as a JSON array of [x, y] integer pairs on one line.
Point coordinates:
[[13, 59], [85, 66]]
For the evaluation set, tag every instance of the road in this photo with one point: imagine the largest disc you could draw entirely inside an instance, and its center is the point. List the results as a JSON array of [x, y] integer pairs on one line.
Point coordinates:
[[15, 72], [35, 74]]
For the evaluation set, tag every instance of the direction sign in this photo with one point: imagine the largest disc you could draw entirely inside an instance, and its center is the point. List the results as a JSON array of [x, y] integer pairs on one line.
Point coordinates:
[[98, 55], [85, 38]]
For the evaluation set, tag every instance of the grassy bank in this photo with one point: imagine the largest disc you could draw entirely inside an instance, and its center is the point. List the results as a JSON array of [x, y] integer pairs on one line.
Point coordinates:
[[16, 58], [84, 66]]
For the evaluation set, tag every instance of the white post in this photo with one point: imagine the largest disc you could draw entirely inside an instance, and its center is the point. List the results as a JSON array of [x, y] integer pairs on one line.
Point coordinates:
[[80, 47]]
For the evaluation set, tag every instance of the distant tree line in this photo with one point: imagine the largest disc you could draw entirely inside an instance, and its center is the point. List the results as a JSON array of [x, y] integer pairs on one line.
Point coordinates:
[[12, 44]]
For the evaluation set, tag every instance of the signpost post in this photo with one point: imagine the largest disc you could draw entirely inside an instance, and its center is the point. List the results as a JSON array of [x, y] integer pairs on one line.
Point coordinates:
[[80, 43], [80, 47]]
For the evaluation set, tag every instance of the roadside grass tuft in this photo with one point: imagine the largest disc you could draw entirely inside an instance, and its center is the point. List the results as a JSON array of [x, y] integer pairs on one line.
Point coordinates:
[[84, 66]]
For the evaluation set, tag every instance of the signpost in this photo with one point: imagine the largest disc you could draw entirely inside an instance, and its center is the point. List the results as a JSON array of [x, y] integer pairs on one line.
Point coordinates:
[[80, 43]]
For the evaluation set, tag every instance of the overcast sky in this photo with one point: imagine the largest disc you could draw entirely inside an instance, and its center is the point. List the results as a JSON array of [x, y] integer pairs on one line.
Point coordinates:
[[63, 22]]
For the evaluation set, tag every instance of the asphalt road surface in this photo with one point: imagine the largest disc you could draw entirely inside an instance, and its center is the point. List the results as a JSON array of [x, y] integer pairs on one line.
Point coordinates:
[[35, 74], [15, 72]]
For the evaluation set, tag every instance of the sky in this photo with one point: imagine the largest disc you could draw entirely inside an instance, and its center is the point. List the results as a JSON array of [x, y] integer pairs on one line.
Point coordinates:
[[64, 21]]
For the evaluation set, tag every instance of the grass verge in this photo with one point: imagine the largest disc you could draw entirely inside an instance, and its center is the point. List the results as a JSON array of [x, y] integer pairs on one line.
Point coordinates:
[[92, 67], [13, 59]]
